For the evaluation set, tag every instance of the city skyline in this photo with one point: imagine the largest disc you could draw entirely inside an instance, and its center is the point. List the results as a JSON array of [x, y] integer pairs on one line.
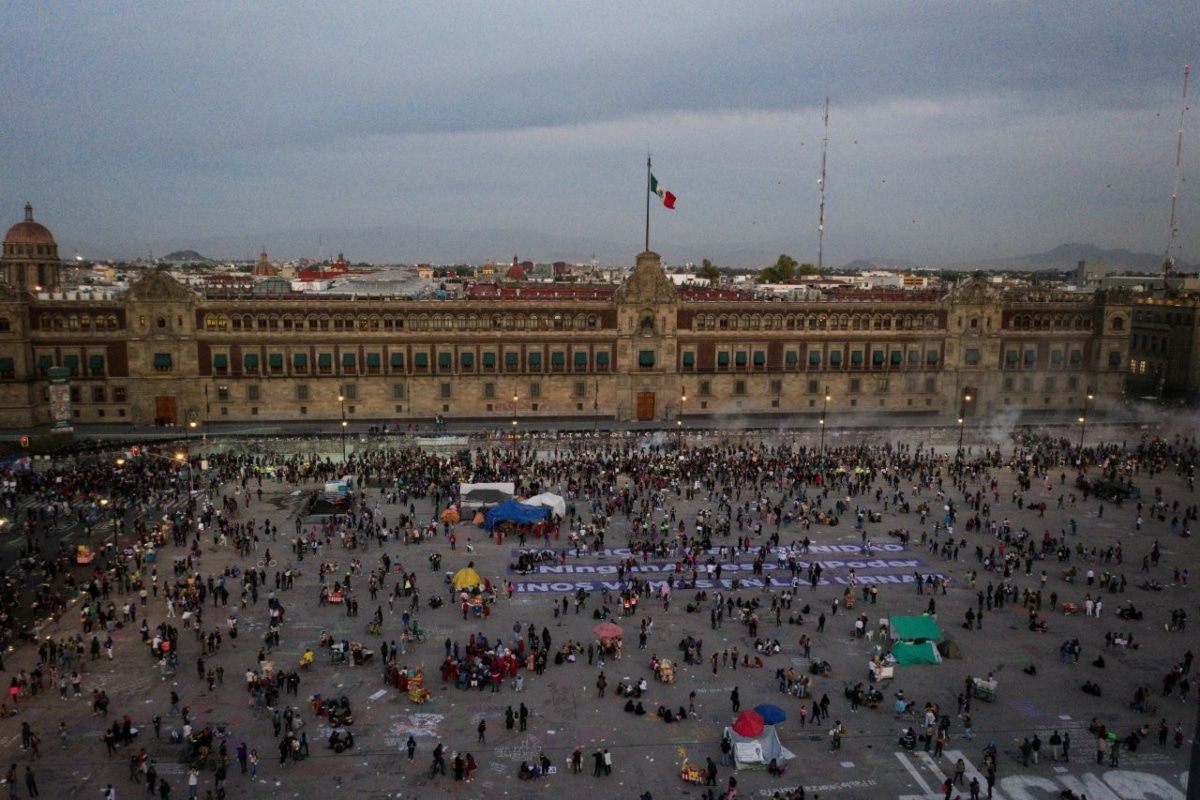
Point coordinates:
[[958, 132]]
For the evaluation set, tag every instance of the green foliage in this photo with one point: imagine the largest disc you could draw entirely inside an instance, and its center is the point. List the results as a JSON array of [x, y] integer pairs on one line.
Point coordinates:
[[709, 272]]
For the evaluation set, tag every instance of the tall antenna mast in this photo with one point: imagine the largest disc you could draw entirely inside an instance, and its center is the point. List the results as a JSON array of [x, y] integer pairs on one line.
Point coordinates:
[[1168, 260], [821, 186]]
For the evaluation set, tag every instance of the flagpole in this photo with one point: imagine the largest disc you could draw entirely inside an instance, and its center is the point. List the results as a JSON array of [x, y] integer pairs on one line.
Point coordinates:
[[647, 202]]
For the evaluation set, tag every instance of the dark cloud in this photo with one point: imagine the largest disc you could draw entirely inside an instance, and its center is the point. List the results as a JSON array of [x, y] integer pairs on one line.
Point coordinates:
[[153, 120]]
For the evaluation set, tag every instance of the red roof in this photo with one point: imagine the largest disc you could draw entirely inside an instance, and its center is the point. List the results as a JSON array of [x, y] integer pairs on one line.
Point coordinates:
[[29, 232]]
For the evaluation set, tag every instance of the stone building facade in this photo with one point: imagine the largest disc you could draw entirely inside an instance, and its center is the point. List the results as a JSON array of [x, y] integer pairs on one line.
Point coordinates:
[[163, 353]]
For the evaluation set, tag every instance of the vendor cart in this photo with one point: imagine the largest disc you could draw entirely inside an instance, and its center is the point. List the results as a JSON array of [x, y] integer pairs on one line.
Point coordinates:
[[84, 554], [665, 671], [692, 773], [417, 692], [984, 689]]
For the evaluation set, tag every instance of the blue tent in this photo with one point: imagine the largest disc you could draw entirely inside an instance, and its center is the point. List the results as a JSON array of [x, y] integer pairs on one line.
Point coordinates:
[[512, 511]]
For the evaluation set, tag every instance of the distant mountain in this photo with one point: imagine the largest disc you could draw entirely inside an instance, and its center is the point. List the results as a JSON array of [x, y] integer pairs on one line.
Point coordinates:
[[867, 264], [184, 257], [1067, 257]]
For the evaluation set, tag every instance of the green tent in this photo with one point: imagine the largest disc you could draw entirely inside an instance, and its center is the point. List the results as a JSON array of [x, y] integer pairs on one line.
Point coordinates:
[[907, 653], [915, 629], [915, 637]]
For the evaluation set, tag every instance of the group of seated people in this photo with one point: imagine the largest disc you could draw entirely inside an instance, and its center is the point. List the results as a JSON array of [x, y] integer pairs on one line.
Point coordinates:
[[540, 767], [568, 653], [768, 646], [634, 690]]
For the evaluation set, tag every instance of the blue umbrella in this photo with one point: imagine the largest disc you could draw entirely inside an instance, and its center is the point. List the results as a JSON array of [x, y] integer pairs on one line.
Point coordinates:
[[772, 715]]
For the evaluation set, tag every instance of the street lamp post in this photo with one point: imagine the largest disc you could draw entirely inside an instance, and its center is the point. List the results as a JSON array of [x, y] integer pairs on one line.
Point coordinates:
[[962, 422], [342, 403], [514, 422], [679, 419], [596, 406], [824, 411], [1087, 401]]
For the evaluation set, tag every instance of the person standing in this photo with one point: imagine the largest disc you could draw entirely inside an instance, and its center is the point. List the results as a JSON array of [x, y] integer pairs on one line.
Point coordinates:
[[598, 758], [736, 700], [523, 717], [710, 774], [482, 731], [411, 746], [607, 762]]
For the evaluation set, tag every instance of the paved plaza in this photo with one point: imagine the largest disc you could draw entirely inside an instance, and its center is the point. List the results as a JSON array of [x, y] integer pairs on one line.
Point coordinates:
[[565, 711]]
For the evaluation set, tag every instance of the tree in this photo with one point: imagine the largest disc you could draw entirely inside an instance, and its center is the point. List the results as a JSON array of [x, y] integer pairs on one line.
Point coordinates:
[[709, 272], [782, 272]]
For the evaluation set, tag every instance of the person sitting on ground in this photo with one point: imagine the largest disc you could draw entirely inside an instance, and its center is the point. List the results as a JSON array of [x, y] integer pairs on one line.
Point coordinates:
[[775, 768]]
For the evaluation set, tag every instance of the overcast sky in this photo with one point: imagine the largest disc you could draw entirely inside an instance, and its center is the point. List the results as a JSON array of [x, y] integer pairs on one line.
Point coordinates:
[[958, 130]]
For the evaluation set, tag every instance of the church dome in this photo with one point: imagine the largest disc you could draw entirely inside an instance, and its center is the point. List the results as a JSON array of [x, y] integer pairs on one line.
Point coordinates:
[[28, 231]]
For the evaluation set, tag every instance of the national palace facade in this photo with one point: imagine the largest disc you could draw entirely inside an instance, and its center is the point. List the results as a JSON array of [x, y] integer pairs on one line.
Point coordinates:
[[163, 353]]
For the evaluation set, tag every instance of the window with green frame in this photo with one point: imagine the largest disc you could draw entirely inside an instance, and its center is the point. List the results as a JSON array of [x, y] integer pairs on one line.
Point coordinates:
[[300, 361], [374, 360], [814, 357], [275, 360], [250, 361], [791, 358], [1011, 357], [535, 359], [1076, 357], [220, 361], [689, 358], [740, 358], [760, 358], [723, 358], [971, 356], [466, 360], [835, 358], [581, 359], [397, 360], [489, 360], [558, 358], [349, 360], [512, 360], [602, 359], [421, 360], [931, 356], [445, 360], [645, 359], [876, 357], [897, 358], [856, 358]]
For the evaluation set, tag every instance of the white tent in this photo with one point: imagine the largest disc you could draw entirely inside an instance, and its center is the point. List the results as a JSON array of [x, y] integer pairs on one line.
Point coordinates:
[[557, 506], [750, 752]]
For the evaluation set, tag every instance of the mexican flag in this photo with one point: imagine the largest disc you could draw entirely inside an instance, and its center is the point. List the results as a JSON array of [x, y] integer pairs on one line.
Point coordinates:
[[667, 198]]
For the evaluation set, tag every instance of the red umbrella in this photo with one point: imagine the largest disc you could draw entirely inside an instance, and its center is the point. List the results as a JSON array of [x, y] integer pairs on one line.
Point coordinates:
[[748, 724], [607, 630]]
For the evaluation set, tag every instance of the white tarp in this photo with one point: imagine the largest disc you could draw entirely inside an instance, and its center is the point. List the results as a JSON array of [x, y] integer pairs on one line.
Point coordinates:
[[480, 495], [758, 751], [557, 506]]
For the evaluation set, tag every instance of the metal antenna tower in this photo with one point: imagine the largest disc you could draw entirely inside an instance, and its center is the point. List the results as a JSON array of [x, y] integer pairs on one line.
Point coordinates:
[[821, 186], [1168, 259]]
